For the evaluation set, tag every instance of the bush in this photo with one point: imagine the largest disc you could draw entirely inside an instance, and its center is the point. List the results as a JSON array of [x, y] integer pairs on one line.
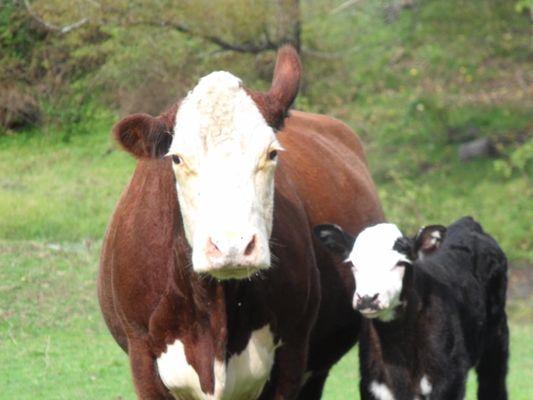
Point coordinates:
[[18, 108]]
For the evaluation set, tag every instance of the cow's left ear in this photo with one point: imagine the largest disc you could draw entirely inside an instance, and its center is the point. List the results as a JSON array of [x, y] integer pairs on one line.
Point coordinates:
[[428, 240], [335, 239]]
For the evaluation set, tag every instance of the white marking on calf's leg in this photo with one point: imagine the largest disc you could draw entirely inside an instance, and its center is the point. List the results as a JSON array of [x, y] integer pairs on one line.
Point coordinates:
[[381, 391], [425, 386]]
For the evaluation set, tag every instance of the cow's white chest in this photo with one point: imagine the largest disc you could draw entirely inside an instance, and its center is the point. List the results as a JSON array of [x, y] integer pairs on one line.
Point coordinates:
[[241, 377]]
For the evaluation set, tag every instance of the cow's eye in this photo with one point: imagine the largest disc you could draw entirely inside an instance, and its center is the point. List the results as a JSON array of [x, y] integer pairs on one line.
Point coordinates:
[[176, 159], [272, 154]]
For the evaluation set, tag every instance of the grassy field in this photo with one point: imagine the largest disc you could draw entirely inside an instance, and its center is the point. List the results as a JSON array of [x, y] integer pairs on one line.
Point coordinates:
[[55, 200], [414, 89], [54, 345]]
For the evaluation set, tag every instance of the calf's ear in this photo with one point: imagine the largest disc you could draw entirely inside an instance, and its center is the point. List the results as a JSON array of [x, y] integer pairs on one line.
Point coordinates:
[[335, 239], [428, 240], [145, 136]]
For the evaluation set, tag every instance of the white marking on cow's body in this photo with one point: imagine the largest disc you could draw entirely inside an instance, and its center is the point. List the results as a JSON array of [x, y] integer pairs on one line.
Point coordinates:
[[225, 180], [178, 375], [425, 386], [380, 391], [376, 269], [247, 372], [242, 377]]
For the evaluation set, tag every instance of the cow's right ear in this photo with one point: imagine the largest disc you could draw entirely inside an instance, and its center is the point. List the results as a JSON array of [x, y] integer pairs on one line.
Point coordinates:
[[144, 136], [335, 239]]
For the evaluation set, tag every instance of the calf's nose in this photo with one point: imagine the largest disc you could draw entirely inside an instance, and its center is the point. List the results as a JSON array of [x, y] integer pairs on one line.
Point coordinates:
[[367, 302]]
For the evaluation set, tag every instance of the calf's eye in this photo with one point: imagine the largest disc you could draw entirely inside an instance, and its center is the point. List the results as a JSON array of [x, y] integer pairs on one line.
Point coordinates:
[[176, 159], [272, 155]]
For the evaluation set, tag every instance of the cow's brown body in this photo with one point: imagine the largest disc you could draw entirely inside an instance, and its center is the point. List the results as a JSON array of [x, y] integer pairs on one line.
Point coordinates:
[[150, 296]]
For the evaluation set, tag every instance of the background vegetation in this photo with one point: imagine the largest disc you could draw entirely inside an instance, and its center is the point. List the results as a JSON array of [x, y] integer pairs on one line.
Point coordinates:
[[415, 78]]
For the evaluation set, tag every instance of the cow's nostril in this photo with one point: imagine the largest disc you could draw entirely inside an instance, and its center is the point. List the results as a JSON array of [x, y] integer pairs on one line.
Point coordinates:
[[367, 302], [250, 247], [212, 249]]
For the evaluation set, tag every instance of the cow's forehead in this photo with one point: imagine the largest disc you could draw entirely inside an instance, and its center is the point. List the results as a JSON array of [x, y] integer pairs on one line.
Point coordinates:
[[374, 247], [218, 113]]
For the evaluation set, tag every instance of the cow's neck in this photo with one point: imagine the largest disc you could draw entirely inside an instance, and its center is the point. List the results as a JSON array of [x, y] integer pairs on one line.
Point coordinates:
[[396, 349], [213, 327], [396, 344], [230, 310], [198, 297]]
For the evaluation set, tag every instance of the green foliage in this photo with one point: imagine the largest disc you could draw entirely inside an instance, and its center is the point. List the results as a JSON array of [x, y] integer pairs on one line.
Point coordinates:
[[524, 5], [413, 89], [18, 36], [519, 161], [134, 57], [441, 196]]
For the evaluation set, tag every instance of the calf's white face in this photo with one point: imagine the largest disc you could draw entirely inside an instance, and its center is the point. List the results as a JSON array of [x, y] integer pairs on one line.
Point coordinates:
[[378, 271], [224, 157], [379, 260]]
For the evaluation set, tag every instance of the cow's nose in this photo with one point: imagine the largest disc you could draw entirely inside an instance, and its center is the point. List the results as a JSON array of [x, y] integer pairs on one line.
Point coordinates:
[[219, 248], [367, 302]]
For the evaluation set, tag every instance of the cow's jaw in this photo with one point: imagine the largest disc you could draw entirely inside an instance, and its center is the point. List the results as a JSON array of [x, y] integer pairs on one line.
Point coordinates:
[[225, 177]]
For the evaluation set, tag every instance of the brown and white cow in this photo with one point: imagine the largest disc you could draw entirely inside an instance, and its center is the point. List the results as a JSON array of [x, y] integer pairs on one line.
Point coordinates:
[[210, 278]]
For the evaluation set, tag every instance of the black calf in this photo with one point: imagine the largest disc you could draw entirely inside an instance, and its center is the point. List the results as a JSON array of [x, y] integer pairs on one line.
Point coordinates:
[[451, 318]]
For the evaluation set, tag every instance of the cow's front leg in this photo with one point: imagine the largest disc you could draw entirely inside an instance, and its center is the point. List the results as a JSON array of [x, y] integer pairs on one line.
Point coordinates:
[[287, 375], [292, 365], [148, 384]]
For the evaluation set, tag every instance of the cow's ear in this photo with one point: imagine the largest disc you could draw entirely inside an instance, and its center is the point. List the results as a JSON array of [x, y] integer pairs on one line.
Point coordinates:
[[428, 240], [335, 239], [144, 136], [275, 103]]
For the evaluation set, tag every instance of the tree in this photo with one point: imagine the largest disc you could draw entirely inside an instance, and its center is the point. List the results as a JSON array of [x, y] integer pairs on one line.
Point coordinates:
[[245, 26]]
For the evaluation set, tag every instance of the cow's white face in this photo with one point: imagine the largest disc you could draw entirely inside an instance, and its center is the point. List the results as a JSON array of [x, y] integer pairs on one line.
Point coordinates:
[[378, 271], [224, 158]]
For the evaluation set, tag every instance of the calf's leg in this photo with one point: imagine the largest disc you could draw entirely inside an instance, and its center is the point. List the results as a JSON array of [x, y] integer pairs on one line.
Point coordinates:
[[313, 387], [492, 367]]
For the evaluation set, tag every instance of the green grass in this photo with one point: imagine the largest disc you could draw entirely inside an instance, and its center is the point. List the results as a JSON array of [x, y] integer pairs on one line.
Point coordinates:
[[66, 191], [55, 201], [54, 344], [503, 206], [343, 381], [59, 191]]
